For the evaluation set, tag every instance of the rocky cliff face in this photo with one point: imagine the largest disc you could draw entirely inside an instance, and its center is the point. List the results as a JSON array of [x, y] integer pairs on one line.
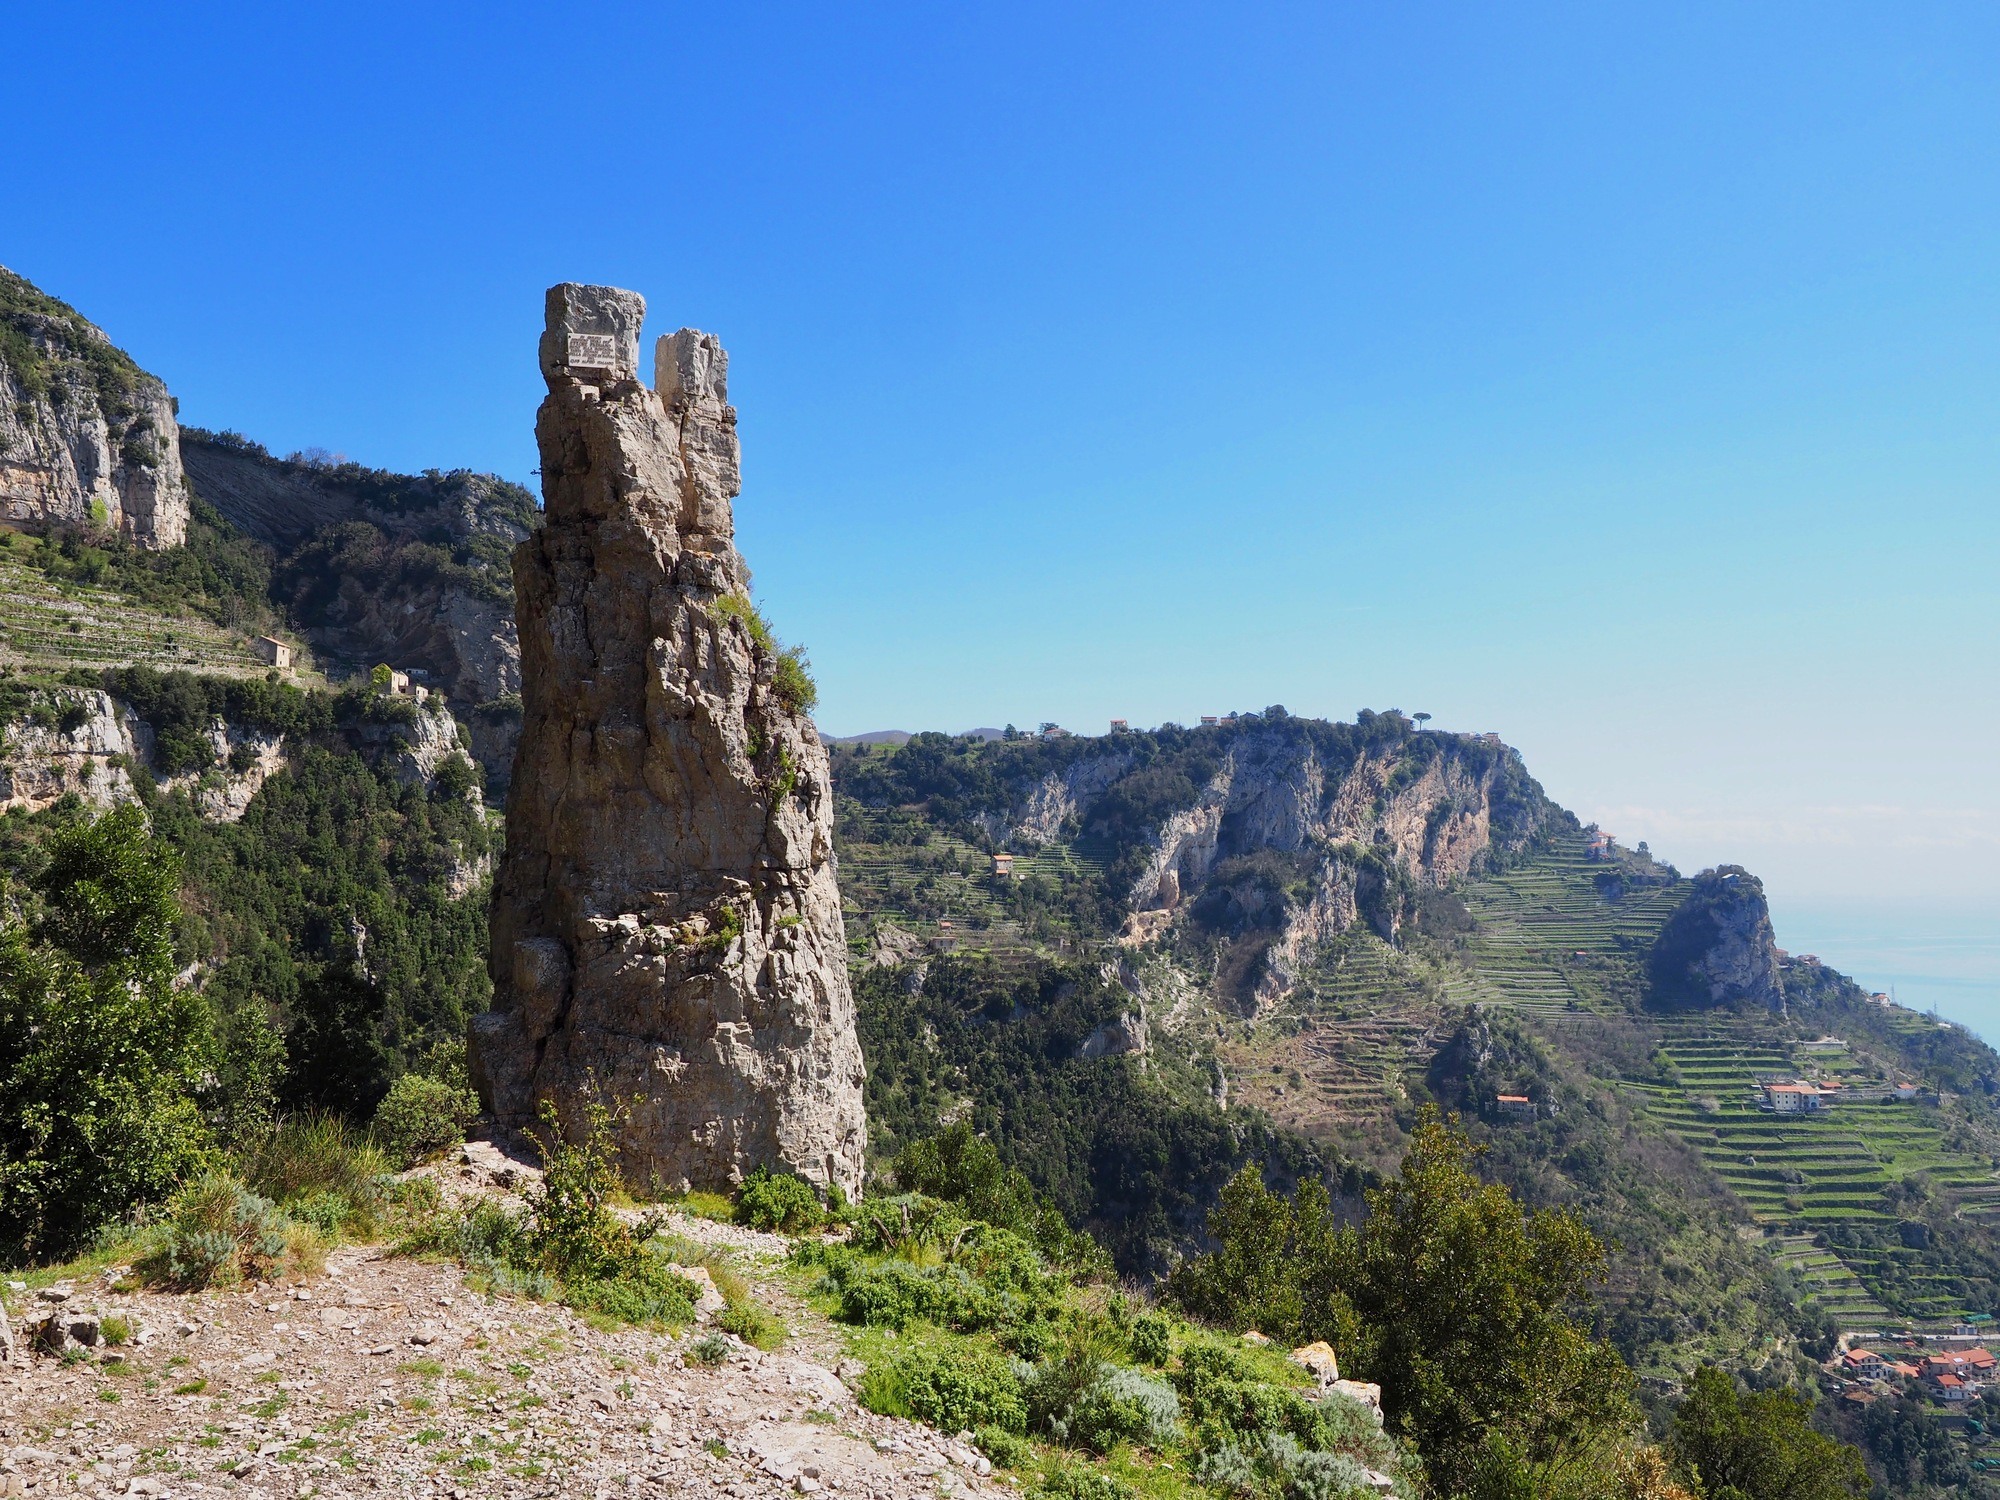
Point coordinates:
[[88, 742], [1718, 948], [1294, 832], [666, 930], [86, 436], [375, 566]]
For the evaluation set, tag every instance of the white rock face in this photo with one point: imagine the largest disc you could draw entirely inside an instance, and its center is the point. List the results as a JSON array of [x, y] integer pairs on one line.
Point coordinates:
[[666, 927], [86, 436], [1273, 791], [41, 762], [244, 760]]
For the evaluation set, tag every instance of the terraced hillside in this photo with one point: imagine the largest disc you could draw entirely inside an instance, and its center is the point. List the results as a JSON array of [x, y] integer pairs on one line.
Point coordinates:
[[46, 623], [1849, 1203], [1845, 1166], [941, 890], [1563, 932]]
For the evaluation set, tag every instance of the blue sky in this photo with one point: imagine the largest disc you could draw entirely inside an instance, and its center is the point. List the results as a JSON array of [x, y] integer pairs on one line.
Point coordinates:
[[1619, 378]]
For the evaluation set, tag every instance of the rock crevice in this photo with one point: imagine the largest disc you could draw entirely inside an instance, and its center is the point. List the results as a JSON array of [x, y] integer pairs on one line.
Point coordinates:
[[666, 928]]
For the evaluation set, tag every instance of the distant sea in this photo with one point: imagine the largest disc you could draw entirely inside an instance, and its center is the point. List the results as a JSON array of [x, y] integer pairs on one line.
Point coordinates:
[[1929, 960]]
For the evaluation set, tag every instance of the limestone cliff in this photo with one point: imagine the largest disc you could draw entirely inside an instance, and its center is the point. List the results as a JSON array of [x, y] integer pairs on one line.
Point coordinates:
[[86, 436], [1718, 948], [666, 929], [375, 566], [1285, 833], [87, 742]]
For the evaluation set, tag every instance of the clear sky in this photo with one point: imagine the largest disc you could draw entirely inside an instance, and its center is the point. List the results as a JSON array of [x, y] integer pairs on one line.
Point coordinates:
[[1621, 378]]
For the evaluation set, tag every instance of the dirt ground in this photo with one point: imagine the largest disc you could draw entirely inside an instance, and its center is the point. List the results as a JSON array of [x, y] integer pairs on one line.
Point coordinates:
[[384, 1375]]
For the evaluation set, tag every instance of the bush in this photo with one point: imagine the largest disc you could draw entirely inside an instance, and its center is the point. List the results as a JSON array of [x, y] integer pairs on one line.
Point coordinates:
[[1120, 1405], [951, 1389], [420, 1117], [752, 1324], [1081, 1482], [1007, 1449], [219, 1233], [1276, 1465], [1152, 1340], [568, 1243], [101, 1057], [318, 1168], [779, 1201], [709, 1351]]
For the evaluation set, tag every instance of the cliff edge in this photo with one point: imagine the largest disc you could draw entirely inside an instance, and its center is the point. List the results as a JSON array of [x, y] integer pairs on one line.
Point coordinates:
[[86, 436], [666, 930]]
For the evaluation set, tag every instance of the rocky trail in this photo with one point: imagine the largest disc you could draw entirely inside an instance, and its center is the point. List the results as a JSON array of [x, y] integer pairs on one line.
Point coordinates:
[[386, 1375]]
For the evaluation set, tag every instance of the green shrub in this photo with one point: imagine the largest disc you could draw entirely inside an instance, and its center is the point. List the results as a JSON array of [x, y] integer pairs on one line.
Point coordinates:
[[1152, 1340], [1120, 1405], [709, 1351], [420, 1117], [779, 1201], [1274, 1464], [101, 1057], [1007, 1449], [950, 1388], [752, 1324], [568, 1243], [320, 1169], [219, 1233], [1082, 1482]]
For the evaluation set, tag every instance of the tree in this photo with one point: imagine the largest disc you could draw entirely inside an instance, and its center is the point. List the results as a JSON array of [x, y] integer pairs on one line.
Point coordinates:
[[100, 1054], [1457, 1303], [1729, 1446], [1466, 1311]]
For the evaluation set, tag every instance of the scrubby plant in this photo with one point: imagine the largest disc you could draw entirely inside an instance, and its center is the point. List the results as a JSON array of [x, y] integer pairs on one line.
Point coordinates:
[[752, 1324], [568, 1243], [319, 1168], [219, 1233], [709, 1351], [1007, 1449], [1081, 1482], [791, 672], [420, 1117], [1120, 1405], [779, 1201], [1152, 1340], [950, 1387]]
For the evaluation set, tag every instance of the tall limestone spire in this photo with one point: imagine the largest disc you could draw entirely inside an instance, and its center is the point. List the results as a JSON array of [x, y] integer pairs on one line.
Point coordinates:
[[666, 929]]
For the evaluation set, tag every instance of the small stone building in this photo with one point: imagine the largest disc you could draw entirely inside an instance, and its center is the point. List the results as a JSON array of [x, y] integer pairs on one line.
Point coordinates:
[[273, 651]]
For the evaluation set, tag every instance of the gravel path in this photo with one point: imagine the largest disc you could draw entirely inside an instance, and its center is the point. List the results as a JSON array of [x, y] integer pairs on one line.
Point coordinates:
[[387, 1376]]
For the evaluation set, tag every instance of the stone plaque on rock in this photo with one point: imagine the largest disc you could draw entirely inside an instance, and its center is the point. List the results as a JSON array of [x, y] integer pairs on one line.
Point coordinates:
[[592, 351]]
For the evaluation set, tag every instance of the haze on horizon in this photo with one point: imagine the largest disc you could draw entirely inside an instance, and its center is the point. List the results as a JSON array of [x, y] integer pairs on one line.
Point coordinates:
[[1622, 382]]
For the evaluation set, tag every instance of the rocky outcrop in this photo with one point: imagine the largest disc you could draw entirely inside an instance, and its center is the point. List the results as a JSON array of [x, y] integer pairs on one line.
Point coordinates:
[[666, 929], [243, 760], [375, 566], [86, 742], [1718, 947], [1276, 791], [78, 740], [1290, 844], [87, 438]]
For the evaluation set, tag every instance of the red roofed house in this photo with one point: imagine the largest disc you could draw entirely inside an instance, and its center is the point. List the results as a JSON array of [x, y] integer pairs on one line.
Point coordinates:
[[1519, 1106], [1965, 1364], [1862, 1364], [1950, 1388], [1793, 1098]]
